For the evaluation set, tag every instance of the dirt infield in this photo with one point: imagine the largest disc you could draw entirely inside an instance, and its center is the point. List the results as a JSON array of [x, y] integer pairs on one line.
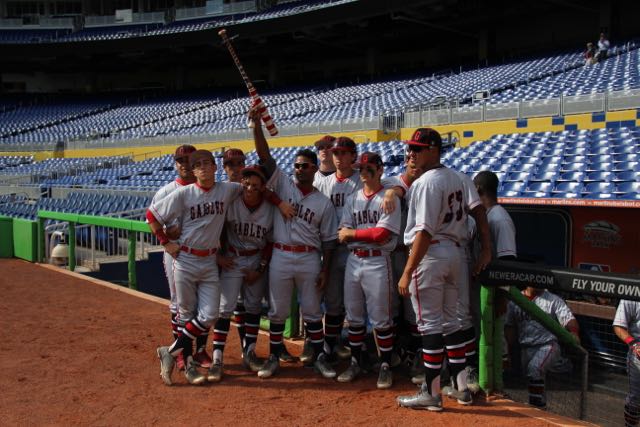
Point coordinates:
[[74, 352]]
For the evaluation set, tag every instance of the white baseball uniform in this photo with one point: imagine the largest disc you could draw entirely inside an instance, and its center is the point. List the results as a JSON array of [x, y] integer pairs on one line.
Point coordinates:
[[297, 246], [436, 206], [628, 317], [539, 347], [248, 232], [202, 215], [503, 232], [368, 282], [167, 260], [337, 190]]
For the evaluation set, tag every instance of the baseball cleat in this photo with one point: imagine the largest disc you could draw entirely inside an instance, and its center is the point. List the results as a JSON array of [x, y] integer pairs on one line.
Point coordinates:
[[422, 400], [342, 352], [472, 379], [418, 379], [286, 357], [251, 361], [167, 362], [385, 377], [180, 362], [202, 359], [214, 374], [321, 366], [350, 374], [270, 367], [307, 353], [464, 397], [193, 376]]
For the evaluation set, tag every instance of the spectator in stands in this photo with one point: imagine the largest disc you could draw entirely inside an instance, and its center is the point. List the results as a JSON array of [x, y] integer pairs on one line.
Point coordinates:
[[539, 347], [626, 326], [590, 55], [603, 48], [324, 146]]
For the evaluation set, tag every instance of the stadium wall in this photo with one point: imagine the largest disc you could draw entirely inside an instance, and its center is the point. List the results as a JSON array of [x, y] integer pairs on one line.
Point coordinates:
[[471, 132], [246, 145]]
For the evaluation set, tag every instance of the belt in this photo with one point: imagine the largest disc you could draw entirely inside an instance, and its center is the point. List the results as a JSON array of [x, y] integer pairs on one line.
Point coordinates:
[[297, 248], [198, 252], [244, 253], [435, 242], [364, 253]]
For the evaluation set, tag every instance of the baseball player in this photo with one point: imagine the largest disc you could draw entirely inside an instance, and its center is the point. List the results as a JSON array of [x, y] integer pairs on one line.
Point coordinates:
[[233, 162], [296, 257], [626, 326], [398, 186], [338, 187], [249, 228], [323, 146], [201, 208], [370, 235], [477, 220], [540, 348], [436, 224], [185, 177]]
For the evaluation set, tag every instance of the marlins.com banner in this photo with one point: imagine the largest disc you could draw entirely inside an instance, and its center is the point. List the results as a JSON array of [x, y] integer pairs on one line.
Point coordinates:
[[605, 239]]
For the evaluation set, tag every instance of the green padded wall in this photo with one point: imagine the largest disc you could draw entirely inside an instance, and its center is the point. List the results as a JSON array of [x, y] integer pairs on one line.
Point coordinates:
[[6, 237], [25, 239]]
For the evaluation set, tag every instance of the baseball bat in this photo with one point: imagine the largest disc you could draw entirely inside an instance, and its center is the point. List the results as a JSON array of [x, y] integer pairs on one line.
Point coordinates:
[[257, 101]]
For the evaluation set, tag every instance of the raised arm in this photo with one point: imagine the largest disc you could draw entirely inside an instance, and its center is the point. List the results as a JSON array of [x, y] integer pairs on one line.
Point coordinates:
[[262, 147]]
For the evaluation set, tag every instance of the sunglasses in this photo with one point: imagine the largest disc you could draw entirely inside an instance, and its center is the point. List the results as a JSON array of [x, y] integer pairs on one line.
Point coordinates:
[[416, 148], [303, 166]]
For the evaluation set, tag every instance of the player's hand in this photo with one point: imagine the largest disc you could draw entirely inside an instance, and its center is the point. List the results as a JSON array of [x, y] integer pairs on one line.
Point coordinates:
[[483, 261], [346, 234], [403, 285], [173, 232], [254, 114], [250, 276], [287, 210], [225, 262], [389, 201], [323, 279], [172, 248]]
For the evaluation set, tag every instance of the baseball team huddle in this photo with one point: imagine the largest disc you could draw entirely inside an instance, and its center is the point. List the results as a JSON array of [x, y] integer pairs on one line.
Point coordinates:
[[392, 256]]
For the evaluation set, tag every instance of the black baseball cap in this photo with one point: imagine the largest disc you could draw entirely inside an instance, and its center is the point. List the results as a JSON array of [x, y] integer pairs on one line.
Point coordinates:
[[426, 137], [344, 143], [369, 158]]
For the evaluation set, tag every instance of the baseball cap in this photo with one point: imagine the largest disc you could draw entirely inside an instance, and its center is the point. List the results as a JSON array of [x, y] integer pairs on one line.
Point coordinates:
[[344, 143], [183, 151], [369, 158], [325, 142], [232, 154], [201, 155], [256, 170], [425, 137]]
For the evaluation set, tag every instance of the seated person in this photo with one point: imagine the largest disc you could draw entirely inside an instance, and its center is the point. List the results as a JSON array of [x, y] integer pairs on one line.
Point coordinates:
[[540, 350]]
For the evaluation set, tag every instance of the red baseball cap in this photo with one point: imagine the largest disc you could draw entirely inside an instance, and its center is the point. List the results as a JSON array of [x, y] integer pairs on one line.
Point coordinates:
[[233, 154], [201, 155], [183, 151], [344, 143], [425, 137], [325, 142], [256, 170], [369, 158]]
